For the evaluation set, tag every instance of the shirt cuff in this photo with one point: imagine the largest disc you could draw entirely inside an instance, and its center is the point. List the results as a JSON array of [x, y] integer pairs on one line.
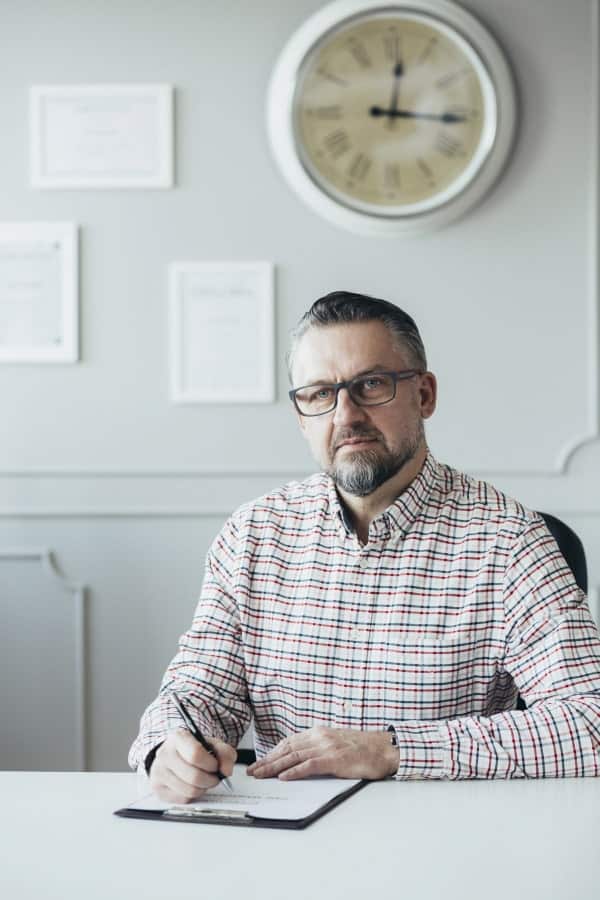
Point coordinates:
[[150, 757], [421, 746]]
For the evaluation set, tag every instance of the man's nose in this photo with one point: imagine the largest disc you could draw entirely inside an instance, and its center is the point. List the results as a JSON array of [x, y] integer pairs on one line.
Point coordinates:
[[347, 410]]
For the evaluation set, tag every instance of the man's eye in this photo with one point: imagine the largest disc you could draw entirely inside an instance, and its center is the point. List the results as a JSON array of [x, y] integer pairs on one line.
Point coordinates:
[[372, 383], [322, 393]]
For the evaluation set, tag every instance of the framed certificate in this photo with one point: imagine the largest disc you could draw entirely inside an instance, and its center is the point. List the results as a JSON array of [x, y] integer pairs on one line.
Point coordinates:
[[221, 332], [101, 136], [38, 292]]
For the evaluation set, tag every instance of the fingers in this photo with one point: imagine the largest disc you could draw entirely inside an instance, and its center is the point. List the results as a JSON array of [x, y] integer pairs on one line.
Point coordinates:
[[183, 769], [297, 753], [316, 765], [169, 786], [192, 752], [226, 756], [296, 765], [290, 744], [282, 749], [273, 767]]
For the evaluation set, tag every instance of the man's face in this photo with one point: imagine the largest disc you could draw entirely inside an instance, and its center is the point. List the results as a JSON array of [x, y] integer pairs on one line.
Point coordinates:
[[361, 447]]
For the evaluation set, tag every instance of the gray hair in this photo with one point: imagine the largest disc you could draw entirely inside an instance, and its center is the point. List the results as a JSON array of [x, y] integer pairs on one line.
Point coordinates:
[[344, 306]]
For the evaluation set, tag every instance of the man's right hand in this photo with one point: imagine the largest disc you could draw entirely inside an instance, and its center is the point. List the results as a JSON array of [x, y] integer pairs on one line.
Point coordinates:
[[182, 769]]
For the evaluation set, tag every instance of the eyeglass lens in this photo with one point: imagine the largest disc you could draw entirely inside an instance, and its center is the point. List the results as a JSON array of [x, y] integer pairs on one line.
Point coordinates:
[[366, 390]]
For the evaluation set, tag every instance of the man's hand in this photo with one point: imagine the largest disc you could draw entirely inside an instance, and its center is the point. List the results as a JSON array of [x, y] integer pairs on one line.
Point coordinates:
[[345, 753], [182, 769]]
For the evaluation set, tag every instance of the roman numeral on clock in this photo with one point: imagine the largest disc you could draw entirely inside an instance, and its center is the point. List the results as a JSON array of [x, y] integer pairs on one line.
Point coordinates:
[[427, 51], [447, 80], [426, 170], [449, 146], [359, 166], [337, 143], [325, 112], [359, 52], [329, 76], [391, 176], [391, 45]]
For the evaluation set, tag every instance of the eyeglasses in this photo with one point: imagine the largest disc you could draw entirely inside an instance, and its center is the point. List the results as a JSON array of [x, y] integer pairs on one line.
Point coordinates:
[[373, 389]]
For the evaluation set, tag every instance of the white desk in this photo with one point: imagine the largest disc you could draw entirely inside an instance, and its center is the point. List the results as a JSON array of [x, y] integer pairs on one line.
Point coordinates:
[[415, 840]]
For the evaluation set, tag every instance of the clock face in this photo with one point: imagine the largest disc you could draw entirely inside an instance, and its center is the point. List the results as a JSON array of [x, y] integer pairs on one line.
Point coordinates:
[[393, 113]]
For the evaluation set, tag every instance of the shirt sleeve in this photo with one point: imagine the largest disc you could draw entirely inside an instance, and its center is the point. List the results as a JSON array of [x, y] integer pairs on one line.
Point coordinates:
[[553, 656], [208, 671]]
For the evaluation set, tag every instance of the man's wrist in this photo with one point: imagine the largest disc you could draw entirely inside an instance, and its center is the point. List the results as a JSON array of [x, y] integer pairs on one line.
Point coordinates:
[[391, 751]]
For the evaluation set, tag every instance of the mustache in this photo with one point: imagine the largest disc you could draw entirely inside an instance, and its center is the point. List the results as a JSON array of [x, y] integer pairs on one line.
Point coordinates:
[[358, 431]]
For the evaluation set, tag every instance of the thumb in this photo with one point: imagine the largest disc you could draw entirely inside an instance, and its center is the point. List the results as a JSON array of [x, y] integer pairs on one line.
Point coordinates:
[[226, 754]]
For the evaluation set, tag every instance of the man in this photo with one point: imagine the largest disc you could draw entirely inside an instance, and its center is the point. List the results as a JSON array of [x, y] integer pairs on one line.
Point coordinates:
[[379, 618]]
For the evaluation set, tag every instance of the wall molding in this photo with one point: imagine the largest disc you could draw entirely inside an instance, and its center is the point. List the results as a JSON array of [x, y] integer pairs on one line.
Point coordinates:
[[209, 494], [175, 513], [47, 560]]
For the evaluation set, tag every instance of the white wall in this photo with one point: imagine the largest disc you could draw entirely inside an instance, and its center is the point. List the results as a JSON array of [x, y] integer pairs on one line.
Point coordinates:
[[128, 490]]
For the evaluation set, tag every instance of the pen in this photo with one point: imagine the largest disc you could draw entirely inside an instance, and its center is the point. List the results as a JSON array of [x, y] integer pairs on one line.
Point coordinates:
[[199, 736]]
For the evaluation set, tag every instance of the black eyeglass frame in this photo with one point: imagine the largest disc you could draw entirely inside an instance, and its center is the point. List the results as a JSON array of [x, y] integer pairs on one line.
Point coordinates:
[[402, 375]]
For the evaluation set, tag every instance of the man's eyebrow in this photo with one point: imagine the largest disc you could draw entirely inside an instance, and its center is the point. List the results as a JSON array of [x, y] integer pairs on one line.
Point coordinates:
[[378, 367]]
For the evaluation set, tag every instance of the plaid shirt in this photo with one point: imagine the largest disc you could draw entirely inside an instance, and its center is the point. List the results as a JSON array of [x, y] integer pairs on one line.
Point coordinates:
[[459, 599]]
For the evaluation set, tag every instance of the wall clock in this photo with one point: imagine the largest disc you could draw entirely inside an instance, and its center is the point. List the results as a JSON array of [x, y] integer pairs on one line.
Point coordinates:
[[391, 118]]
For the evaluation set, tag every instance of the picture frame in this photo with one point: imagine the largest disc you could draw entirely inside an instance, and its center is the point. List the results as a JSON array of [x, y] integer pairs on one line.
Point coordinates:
[[39, 292], [221, 332], [101, 136]]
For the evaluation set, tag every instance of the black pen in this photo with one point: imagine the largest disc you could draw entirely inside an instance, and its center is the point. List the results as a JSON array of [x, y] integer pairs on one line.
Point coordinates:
[[199, 736]]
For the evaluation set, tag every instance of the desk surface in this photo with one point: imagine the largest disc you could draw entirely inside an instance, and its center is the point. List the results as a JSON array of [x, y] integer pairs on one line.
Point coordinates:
[[423, 840]]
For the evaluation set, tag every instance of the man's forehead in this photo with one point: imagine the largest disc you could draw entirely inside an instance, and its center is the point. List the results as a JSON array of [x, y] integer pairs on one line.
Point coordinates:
[[331, 352]]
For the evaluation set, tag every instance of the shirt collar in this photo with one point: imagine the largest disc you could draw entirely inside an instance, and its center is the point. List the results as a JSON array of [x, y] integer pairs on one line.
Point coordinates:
[[401, 514]]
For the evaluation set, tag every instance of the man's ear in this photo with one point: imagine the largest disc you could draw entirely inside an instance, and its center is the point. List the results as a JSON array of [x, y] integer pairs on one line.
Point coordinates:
[[428, 394]]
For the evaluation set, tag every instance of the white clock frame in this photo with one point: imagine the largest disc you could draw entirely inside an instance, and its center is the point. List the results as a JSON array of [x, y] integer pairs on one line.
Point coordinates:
[[499, 96]]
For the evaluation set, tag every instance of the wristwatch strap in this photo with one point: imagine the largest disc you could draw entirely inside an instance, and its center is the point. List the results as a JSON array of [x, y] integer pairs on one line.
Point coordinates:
[[393, 736]]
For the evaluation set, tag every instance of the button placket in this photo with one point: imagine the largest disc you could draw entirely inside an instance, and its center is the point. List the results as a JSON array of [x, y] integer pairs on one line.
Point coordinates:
[[351, 706]]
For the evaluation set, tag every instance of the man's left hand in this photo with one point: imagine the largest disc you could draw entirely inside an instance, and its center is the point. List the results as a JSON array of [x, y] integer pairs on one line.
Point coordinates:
[[343, 752]]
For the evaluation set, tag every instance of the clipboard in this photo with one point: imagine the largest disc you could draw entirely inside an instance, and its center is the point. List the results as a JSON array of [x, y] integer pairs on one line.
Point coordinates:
[[236, 817]]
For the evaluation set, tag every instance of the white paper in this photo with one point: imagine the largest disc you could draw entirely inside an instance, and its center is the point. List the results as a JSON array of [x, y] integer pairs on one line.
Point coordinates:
[[101, 136], [111, 135], [222, 333], [38, 292], [267, 798], [30, 294]]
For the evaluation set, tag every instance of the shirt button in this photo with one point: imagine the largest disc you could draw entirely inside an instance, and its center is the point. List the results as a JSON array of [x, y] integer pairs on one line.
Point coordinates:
[[363, 561], [347, 706]]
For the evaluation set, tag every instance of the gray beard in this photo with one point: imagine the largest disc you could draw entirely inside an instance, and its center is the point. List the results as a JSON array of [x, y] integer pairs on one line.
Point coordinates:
[[364, 471]]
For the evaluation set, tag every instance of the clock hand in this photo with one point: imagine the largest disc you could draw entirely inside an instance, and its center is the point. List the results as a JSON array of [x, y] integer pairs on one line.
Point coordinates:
[[448, 118], [398, 72]]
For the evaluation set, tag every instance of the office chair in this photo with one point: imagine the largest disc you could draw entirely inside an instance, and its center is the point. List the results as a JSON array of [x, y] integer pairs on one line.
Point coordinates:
[[572, 549]]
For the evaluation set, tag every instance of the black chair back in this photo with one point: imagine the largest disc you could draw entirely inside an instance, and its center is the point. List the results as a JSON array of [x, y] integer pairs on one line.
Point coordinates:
[[571, 548]]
